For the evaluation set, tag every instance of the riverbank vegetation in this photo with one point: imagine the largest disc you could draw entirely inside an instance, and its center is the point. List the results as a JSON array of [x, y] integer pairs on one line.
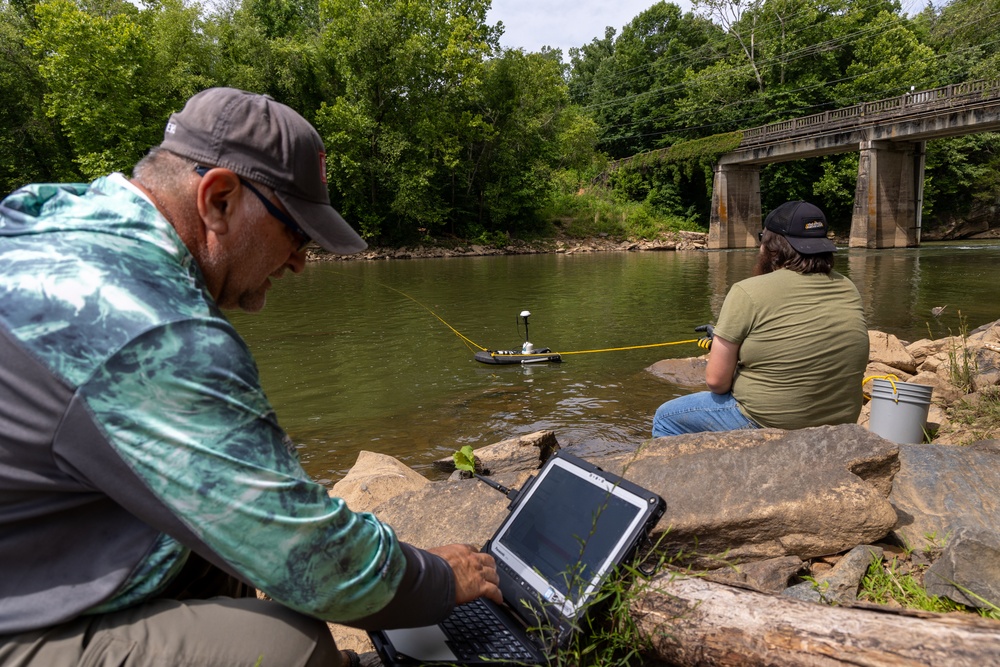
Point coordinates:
[[434, 131]]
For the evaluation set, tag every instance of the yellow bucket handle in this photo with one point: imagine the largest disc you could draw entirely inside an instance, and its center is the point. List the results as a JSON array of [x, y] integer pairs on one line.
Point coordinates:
[[892, 379]]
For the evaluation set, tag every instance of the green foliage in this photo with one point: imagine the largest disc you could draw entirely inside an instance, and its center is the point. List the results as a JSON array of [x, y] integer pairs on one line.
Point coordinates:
[[835, 186], [465, 459], [432, 130], [579, 211], [32, 148]]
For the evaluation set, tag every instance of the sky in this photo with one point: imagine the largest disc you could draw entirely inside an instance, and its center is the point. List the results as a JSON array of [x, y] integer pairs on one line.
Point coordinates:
[[532, 24]]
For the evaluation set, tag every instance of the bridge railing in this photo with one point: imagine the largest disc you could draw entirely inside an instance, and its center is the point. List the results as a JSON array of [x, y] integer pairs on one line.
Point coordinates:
[[869, 113]]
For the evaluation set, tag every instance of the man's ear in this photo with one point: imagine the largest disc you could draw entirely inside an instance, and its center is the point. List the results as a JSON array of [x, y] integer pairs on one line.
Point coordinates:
[[217, 193]]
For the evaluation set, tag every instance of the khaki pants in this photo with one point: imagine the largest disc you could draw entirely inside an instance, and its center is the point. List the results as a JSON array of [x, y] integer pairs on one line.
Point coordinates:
[[224, 631]]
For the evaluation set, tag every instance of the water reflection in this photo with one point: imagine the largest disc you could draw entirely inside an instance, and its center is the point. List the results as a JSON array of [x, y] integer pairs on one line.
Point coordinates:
[[359, 355]]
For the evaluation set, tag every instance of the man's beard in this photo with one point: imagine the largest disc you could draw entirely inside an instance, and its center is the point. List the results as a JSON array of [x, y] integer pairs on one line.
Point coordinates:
[[764, 264]]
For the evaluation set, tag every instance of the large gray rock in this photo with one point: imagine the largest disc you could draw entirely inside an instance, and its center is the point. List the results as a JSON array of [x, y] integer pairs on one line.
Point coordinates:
[[941, 488], [968, 570], [753, 495]]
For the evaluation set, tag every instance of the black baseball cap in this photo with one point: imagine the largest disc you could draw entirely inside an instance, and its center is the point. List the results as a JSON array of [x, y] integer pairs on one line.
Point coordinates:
[[264, 141], [803, 225]]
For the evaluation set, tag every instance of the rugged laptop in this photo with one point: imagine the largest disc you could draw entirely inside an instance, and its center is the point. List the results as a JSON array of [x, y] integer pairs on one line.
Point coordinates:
[[568, 530]]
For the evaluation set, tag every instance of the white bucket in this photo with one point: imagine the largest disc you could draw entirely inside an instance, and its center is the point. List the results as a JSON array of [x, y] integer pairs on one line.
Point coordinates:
[[900, 415]]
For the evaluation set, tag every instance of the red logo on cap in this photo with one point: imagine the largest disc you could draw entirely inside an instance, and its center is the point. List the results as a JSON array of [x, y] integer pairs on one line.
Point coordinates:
[[322, 167]]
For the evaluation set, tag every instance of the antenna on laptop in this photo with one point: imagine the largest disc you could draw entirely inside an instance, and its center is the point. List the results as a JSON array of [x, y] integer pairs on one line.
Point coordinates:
[[510, 493]]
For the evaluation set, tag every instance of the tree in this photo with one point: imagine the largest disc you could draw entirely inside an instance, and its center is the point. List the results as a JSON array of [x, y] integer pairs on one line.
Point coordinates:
[[886, 64], [106, 85], [632, 87], [31, 145], [274, 47], [410, 72]]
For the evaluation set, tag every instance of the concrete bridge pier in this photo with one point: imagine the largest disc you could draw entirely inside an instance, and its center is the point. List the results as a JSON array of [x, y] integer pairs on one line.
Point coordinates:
[[735, 218], [889, 195]]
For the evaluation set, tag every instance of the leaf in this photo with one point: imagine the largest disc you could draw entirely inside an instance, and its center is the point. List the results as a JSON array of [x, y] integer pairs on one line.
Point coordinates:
[[465, 459]]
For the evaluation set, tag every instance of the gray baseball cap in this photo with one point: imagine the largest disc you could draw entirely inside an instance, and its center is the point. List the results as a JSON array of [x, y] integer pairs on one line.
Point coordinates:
[[264, 141]]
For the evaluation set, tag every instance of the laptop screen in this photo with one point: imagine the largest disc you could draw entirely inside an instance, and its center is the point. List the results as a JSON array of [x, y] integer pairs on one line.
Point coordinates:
[[563, 537]]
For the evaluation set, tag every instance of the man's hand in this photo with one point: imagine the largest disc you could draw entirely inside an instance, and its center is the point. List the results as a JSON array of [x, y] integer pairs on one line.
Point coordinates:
[[706, 341], [475, 572]]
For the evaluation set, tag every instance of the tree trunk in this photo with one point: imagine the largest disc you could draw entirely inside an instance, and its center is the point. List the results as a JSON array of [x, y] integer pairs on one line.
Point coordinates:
[[697, 622]]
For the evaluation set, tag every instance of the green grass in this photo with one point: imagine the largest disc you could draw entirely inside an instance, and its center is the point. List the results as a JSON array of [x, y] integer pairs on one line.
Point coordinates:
[[609, 635], [981, 415], [962, 363], [890, 583]]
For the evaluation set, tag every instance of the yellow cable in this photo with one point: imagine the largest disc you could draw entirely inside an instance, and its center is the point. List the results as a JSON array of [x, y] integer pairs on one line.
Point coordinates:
[[471, 343]]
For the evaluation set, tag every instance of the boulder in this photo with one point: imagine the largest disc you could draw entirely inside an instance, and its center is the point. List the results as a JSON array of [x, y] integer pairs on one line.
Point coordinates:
[[923, 348], [454, 511], [374, 478], [942, 488], [753, 495], [526, 452], [887, 349], [968, 571], [687, 372], [878, 369]]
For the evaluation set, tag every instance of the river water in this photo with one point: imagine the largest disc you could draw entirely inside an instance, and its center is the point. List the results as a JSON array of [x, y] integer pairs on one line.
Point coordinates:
[[366, 355]]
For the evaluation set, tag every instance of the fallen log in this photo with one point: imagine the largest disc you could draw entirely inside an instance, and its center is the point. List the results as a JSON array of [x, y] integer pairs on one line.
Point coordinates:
[[692, 621]]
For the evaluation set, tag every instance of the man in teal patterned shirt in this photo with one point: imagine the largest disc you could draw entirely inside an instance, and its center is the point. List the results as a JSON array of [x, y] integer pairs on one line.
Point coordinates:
[[146, 487]]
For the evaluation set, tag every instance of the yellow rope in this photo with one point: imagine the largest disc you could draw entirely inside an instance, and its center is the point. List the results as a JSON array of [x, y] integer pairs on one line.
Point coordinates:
[[465, 340], [471, 343], [892, 379]]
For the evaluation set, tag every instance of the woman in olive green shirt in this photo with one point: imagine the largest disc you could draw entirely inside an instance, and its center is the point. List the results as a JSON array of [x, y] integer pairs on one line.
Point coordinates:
[[791, 344]]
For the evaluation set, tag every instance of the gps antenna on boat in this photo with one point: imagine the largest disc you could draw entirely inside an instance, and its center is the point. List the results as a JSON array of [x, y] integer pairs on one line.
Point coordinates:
[[527, 348]]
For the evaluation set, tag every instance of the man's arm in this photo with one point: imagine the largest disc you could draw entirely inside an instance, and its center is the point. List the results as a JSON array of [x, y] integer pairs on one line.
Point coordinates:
[[722, 362]]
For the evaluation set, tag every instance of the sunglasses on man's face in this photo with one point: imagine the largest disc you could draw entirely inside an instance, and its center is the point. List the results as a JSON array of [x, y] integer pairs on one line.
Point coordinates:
[[281, 216]]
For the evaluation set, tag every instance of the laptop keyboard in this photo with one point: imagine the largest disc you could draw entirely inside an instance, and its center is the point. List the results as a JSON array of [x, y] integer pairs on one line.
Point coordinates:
[[474, 631]]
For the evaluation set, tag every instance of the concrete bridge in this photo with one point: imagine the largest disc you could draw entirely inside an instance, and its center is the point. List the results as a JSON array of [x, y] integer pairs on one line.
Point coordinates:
[[891, 136]]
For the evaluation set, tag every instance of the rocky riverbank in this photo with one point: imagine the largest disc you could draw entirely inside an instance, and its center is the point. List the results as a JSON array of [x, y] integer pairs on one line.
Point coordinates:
[[770, 532], [569, 246]]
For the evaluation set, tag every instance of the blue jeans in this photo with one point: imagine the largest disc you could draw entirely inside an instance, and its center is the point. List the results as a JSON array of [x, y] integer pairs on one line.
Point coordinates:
[[700, 412]]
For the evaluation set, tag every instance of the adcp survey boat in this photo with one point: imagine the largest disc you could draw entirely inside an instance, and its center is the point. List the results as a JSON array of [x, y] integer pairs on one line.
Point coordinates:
[[526, 355]]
